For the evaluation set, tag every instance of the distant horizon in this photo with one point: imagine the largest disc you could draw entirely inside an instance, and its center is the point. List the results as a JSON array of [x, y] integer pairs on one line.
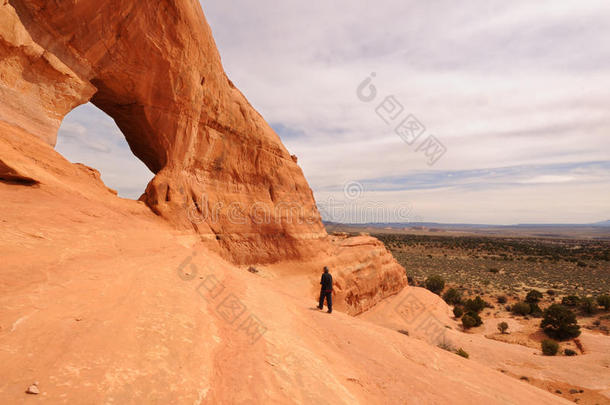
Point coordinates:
[[598, 223]]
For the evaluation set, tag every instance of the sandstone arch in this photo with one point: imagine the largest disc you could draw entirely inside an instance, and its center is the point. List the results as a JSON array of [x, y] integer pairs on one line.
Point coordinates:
[[154, 68]]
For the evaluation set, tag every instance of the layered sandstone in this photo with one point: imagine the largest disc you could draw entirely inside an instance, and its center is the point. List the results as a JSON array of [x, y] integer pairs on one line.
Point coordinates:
[[221, 171], [36, 88], [220, 168]]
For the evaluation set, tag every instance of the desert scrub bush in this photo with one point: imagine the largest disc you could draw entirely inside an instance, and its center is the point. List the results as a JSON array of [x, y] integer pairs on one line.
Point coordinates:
[[458, 312], [569, 352], [560, 323], [501, 299], [570, 301], [549, 347], [452, 296], [588, 305], [468, 322], [534, 296], [471, 320], [521, 308], [604, 301], [503, 327], [475, 305], [535, 310], [436, 284], [446, 345], [463, 353]]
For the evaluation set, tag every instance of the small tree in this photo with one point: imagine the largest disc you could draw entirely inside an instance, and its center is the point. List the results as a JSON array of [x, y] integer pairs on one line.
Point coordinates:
[[468, 322], [501, 299], [560, 323], [475, 305], [604, 301], [549, 347], [521, 308], [472, 320], [458, 312], [452, 296], [533, 297], [535, 310], [502, 327], [588, 305], [436, 284]]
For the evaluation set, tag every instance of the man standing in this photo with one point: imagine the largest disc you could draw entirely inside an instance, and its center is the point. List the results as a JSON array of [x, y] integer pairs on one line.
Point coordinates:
[[326, 291]]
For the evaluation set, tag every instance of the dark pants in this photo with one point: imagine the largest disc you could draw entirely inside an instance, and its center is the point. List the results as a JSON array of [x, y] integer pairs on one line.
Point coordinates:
[[329, 300]]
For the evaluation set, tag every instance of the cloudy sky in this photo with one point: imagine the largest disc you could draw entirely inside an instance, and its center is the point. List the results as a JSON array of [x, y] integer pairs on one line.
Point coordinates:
[[511, 98]]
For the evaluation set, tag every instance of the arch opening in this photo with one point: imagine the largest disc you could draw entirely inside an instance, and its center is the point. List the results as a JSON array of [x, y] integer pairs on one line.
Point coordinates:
[[89, 136]]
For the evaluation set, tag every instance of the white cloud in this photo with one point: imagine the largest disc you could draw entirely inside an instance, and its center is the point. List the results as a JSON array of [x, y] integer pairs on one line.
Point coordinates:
[[516, 84], [501, 84]]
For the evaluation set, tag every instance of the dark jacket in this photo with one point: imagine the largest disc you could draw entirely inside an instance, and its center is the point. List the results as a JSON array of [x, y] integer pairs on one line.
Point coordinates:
[[327, 282]]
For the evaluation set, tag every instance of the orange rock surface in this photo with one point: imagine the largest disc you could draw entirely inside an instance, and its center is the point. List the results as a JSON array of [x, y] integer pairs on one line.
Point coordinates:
[[155, 69]]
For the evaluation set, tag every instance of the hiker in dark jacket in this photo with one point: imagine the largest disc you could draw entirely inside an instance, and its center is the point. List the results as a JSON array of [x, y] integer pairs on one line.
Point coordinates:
[[326, 290]]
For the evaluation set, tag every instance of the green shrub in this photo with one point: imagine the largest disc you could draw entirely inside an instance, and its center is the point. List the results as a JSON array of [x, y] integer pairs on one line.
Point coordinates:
[[535, 310], [502, 299], [604, 301], [569, 352], [533, 297], [463, 353], [436, 284], [588, 305], [472, 320], [549, 347], [468, 322], [458, 312], [475, 305], [521, 308], [502, 327], [452, 296], [570, 301], [560, 323], [446, 345]]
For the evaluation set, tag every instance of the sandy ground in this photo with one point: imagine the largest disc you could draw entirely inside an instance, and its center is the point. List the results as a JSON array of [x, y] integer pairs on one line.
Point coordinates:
[[507, 353], [104, 303]]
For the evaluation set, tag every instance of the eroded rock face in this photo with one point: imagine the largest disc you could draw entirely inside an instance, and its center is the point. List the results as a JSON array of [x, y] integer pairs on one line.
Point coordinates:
[[220, 168], [221, 171], [365, 273], [36, 88]]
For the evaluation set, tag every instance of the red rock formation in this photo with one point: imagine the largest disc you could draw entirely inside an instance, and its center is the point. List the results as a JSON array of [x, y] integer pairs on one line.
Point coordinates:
[[365, 273], [36, 88], [157, 72], [220, 169]]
